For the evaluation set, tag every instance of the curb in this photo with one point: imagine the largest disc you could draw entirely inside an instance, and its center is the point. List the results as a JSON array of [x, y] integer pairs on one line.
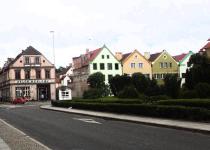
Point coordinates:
[[134, 119], [24, 134]]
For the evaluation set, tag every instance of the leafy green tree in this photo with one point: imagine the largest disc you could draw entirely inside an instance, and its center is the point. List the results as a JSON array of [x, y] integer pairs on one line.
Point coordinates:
[[199, 71], [172, 85], [118, 83], [96, 80], [140, 82], [153, 88]]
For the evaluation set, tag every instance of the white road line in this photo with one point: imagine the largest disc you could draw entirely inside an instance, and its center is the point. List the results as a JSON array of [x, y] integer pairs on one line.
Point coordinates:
[[87, 120]]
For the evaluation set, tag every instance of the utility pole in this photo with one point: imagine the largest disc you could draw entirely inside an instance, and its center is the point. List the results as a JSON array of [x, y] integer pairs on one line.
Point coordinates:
[[53, 46]]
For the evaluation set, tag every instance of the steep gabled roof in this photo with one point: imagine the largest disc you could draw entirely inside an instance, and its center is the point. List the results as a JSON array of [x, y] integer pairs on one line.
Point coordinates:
[[124, 56], [207, 46], [31, 51], [93, 54], [154, 56], [180, 57]]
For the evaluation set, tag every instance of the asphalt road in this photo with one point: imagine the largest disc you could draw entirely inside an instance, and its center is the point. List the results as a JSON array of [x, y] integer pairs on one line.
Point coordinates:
[[62, 131]]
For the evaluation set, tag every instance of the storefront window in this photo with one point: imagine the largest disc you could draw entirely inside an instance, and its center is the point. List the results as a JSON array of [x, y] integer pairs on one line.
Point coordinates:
[[22, 91]]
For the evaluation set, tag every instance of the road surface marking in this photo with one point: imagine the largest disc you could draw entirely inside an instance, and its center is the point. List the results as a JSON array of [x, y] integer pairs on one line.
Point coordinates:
[[87, 120]]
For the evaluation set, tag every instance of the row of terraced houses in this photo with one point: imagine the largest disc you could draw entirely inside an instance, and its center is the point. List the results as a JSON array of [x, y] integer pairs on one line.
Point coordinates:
[[32, 75], [103, 60]]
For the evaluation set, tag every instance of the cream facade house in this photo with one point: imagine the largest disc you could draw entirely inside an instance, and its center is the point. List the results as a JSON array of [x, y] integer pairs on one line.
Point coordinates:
[[134, 62], [29, 75]]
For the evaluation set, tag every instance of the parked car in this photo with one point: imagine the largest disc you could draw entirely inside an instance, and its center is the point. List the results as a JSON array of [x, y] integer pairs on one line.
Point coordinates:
[[19, 100]]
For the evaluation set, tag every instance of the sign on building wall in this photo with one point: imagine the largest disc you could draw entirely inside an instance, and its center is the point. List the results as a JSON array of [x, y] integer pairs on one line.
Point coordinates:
[[33, 81]]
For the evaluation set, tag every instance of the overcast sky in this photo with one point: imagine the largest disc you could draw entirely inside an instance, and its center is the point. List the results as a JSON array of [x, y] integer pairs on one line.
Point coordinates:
[[123, 25]]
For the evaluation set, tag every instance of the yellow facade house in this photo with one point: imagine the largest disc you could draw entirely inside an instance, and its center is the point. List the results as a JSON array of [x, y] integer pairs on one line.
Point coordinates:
[[135, 62]]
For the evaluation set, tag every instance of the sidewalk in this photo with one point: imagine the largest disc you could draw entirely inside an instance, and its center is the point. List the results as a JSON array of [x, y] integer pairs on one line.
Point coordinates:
[[3, 145], [184, 125]]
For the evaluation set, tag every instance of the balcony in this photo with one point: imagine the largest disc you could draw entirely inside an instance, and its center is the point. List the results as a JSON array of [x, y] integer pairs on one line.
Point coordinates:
[[32, 64]]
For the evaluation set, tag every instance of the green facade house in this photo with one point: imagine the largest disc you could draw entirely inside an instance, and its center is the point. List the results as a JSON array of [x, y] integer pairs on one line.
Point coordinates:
[[163, 63], [183, 59]]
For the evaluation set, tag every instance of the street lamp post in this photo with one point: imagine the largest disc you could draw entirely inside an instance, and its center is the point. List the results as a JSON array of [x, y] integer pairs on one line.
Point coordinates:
[[52, 32]]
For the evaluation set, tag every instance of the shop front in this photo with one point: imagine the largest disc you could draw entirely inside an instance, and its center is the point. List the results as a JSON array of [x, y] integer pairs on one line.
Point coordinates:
[[34, 89]]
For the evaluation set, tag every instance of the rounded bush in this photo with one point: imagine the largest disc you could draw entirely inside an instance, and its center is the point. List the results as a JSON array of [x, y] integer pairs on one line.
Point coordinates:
[[92, 94], [203, 90], [128, 92]]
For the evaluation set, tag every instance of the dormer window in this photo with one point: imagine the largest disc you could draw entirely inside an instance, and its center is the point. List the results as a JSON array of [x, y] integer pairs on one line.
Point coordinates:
[[27, 60]]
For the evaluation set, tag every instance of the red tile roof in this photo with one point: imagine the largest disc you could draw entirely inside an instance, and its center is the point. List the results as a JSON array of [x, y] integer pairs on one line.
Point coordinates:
[[178, 58], [93, 54], [207, 46]]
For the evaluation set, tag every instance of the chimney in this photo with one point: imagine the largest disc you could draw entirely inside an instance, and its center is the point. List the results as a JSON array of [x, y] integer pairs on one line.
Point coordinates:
[[87, 50], [118, 55], [147, 55]]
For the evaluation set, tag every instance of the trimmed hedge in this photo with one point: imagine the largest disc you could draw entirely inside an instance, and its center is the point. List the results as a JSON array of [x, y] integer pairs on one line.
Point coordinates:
[[202, 103], [175, 112]]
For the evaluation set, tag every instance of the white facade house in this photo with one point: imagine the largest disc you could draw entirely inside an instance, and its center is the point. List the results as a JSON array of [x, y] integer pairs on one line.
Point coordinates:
[[64, 92], [183, 59]]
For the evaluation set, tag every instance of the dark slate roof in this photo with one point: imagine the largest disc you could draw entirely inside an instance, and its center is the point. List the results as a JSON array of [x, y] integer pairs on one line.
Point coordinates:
[[153, 56], [31, 51], [125, 56]]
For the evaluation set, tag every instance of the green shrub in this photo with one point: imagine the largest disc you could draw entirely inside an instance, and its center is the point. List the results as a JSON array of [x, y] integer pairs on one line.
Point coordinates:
[[128, 92], [203, 90], [152, 99], [202, 103], [92, 94], [188, 94], [176, 112]]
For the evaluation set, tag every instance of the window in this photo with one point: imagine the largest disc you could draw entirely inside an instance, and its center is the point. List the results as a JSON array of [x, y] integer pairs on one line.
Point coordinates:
[[102, 66], [140, 65], [116, 66], [102, 56], [158, 76], [17, 74], [27, 60], [27, 74], [161, 64], [146, 75], [170, 65], [109, 66], [65, 94], [37, 60], [109, 77], [165, 65], [183, 75], [132, 65], [38, 74], [107, 56], [47, 74], [94, 66], [22, 91]]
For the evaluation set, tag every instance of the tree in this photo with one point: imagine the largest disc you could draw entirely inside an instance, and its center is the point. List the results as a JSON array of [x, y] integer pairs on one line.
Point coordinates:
[[96, 80], [199, 71], [172, 85], [118, 83], [140, 82], [153, 88], [59, 70]]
